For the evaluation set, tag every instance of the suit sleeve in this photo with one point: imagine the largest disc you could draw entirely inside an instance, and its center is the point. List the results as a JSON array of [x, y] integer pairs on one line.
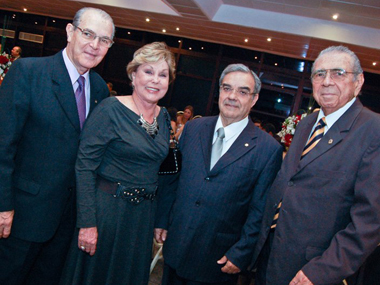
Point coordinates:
[[350, 247], [240, 253], [96, 135], [14, 109]]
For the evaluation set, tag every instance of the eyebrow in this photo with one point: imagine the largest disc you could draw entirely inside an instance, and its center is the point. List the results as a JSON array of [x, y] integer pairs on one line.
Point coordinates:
[[89, 30], [239, 88]]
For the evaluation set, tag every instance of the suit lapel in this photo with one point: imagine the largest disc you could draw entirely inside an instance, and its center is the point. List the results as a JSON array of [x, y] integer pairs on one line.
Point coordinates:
[[334, 135], [96, 92], [206, 135], [243, 144], [63, 90]]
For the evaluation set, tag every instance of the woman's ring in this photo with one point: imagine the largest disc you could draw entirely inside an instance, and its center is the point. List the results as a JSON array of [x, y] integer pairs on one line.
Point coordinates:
[[82, 247]]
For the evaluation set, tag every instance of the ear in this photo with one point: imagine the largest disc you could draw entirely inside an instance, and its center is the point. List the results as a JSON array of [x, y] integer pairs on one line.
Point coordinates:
[[358, 84], [69, 32], [254, 100]]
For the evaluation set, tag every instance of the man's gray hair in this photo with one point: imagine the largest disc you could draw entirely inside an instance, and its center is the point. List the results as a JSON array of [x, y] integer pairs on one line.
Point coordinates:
[[342, 49], [78, 17], [241, 68]]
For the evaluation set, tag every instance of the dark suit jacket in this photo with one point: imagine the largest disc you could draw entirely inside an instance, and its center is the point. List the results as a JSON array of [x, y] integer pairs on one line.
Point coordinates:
[[219, 212], [329, 221], [39, 137]]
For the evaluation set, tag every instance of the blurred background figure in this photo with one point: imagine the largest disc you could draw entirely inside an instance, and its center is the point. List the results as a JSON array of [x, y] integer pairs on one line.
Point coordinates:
[[188, 114], [16, 53]]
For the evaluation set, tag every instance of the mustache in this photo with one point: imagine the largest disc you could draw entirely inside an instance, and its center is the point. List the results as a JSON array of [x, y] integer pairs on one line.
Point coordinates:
[[231, 102]]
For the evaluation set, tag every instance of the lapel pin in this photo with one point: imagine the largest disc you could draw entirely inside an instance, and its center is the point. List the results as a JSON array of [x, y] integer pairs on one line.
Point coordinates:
[[96, 101], [330, 141], [246, 145]]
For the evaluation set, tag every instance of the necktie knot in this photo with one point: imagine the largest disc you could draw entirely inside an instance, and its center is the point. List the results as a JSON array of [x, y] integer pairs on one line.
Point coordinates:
[[221, 134], [81, 81]]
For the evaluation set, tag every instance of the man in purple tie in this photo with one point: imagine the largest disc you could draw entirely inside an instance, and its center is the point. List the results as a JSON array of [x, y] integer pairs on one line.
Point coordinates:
[[322, 216], [43, 105]]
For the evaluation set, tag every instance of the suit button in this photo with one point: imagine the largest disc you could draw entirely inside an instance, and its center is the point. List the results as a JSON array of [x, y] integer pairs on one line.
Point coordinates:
[[197, 203], [290, 183]]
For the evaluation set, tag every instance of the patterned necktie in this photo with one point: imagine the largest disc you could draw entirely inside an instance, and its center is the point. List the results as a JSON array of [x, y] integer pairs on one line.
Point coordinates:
[[217, 148], [315, 137], [80, 97]]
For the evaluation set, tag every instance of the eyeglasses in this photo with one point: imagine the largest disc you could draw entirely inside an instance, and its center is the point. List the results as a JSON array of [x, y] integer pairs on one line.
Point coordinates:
[[91, 36], [336, 74], [243, 92]]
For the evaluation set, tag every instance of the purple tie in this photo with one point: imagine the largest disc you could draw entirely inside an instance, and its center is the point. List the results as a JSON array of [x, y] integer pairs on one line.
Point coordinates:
[[81, 100]]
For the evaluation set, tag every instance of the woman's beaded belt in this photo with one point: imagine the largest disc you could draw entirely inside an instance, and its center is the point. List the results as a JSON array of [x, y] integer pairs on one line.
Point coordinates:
[[134, 195]]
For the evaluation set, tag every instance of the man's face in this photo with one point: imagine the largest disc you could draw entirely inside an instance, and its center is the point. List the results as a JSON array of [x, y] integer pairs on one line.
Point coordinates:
[[332, 95], [86, 54], [15, 52], [233, 105]]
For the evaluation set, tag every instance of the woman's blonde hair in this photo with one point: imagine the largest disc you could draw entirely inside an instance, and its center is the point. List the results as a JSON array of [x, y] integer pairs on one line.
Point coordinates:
[[152, 53]]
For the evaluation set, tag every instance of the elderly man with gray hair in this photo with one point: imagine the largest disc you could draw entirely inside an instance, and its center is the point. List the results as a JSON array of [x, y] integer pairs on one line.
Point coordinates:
[[228, 166]]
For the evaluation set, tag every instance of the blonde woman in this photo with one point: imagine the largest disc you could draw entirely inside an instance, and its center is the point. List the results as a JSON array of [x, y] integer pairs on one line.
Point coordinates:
[[121, 149]]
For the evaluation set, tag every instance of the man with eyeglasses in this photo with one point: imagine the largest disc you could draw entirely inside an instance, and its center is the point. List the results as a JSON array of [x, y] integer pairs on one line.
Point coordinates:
[[43, 105], [322, 217], [227, 166]]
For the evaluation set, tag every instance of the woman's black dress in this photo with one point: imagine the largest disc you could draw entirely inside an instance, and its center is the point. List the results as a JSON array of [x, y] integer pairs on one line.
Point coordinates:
[[115, 147]]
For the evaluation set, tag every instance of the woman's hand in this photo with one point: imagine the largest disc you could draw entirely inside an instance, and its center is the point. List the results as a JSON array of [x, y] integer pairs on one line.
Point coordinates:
[[87, 239]]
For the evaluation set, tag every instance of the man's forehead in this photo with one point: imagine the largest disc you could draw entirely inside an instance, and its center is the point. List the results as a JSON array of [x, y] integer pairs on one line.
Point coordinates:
[[239, 79], [334, 60]]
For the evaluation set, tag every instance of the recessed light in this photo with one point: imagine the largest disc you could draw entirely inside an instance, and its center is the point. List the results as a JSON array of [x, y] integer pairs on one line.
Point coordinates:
[[53, 21], [246, 40], [202, 48], [147, 19], [255, 57], [179, 41], [275, 64], [35, 23], [177, 29], [335, 16], [269, 39], [374, 63], [129, 33], [163, 30], [25, 10], [190, 48]]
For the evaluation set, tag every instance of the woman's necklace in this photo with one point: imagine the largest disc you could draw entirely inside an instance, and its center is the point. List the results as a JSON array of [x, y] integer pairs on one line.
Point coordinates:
[[151, 129]]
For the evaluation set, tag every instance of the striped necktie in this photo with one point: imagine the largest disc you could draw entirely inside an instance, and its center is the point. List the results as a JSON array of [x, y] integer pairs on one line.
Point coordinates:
[[315, 137]]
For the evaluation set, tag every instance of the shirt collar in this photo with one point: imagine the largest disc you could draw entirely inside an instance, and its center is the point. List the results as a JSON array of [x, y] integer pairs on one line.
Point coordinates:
[[333, 117], [73, 72], [231, 130]]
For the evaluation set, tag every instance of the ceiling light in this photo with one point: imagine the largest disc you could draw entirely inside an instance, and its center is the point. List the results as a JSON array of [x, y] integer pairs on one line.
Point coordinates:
[[279, 100], [202, 48], [190, 48], [25, 9], [335, 16], [179, 41], [275, 64], [255, 57], [269, 39], [246, 40], [163, 30], [177, 29], [35, 23], [147, 19], [129, 33], [53, 21], [374, 63]]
